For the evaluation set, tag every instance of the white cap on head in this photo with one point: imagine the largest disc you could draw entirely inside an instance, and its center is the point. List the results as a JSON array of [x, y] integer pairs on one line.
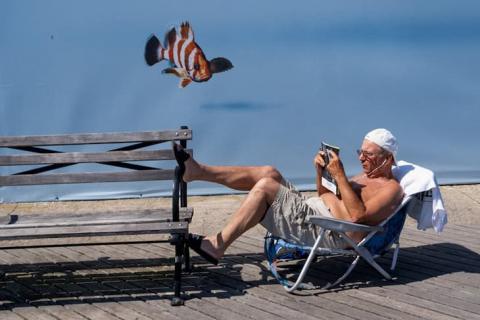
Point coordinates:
[[384, 139]]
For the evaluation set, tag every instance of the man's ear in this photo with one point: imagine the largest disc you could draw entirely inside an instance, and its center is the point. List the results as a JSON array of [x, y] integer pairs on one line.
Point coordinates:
[[219, 65], [391, 159]]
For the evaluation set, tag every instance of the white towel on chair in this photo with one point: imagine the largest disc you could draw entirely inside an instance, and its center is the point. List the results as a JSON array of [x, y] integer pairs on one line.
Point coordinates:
[[415, 179]]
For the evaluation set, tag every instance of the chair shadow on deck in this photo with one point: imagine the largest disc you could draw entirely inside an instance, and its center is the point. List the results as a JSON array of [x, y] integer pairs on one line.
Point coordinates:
[[106, 280], [415, 264]]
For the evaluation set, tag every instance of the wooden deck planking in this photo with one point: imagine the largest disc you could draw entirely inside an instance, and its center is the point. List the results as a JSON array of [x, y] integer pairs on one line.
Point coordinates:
[[383, 300], [32, 313], [437, 277], [326, 304], [236, 287], [10, 315], [447, 298], [214, 303], [96, 252]]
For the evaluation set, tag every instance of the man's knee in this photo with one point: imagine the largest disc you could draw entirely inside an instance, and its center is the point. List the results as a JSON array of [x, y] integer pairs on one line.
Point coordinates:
[[272, 172], [267, 187]]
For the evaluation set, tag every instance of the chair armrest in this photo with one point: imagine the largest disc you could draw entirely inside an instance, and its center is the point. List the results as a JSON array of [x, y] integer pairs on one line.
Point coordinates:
[[341, 225]]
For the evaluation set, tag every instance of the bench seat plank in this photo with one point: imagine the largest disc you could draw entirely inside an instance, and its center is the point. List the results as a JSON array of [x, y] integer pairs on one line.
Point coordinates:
[[95, 230], [18, 221]]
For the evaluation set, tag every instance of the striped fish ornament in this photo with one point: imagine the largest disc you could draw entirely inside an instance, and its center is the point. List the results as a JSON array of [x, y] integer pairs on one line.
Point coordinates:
[[186, 57]]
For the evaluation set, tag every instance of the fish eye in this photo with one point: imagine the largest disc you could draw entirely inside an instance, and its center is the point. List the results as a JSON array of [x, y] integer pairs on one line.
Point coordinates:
[[196, 66]]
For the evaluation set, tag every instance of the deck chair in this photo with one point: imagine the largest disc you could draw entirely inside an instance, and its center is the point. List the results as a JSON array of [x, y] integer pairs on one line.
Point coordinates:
[[377, 242]]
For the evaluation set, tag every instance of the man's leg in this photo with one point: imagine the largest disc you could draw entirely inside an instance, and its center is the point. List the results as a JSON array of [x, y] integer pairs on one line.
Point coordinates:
[[235, 177], [247, 216], [263, 182]]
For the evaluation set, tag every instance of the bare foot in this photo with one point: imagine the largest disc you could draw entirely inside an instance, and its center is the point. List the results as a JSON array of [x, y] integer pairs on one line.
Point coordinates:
[[192, 169], [189, 168]]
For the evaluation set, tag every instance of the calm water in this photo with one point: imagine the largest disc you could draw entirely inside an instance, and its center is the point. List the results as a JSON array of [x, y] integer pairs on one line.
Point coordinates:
[[303, 74]]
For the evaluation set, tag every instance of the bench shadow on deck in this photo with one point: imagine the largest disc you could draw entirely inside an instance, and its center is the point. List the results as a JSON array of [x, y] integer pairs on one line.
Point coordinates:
[[109, 280]]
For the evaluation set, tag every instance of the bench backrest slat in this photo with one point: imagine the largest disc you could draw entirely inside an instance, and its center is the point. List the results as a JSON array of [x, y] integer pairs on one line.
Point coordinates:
[[85, 157], [94, 138], [86, 177]]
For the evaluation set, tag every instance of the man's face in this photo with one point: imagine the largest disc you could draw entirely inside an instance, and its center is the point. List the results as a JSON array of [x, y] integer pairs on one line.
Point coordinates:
[[371, 156]]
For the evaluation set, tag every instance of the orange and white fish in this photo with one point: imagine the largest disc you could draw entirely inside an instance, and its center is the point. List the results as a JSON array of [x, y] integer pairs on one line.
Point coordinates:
[[189, 62]]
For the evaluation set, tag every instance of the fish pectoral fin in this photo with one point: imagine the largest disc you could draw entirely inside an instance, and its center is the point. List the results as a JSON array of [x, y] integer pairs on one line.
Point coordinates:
[[184, 82], [175, 71], [219, 65]]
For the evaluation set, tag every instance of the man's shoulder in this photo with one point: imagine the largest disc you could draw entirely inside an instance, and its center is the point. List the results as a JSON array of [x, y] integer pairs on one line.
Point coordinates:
[[393, 191], [392, 185], [385, 186]]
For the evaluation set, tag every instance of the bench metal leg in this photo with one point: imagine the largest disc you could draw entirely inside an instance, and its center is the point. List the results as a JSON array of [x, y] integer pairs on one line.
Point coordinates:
[[186, 255], [177, 300]]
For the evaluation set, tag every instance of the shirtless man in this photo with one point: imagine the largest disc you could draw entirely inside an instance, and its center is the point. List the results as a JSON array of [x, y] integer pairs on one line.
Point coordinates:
[[368, 198]]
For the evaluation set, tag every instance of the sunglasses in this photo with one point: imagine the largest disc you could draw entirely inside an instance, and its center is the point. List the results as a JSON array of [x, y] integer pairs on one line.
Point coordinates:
[[367, 153]]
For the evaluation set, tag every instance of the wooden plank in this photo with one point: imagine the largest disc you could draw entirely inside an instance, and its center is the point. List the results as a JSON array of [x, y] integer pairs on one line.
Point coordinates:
[[114, 211], [86, 157], [471, 260], [117, 308], [9, 315], [95, 138], [89, 311], [150, 310], [87, 177], [62, 313], [66, 219], [90, 231], [32, 313], [445, 236]]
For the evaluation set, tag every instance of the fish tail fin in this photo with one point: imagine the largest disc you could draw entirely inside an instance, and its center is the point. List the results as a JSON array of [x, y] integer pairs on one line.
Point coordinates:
[[220, 65], [153, 51]]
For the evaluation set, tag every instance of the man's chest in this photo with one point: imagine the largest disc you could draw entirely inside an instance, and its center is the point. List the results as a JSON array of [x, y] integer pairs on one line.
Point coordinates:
[[367, 188]]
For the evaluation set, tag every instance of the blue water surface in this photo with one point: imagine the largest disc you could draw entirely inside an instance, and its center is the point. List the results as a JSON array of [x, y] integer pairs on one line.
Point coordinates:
[[303, 73]]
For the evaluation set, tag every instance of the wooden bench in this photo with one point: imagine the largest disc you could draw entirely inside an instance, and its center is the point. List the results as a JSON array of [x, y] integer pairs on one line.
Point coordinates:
[[171, 221]]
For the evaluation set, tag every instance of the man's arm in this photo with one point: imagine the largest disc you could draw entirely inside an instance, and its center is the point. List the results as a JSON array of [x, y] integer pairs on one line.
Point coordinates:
[[383, 204], [336, 206], [351, 207]]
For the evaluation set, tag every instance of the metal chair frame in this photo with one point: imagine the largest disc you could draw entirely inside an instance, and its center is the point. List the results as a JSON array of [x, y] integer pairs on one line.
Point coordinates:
[[358, 250]]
